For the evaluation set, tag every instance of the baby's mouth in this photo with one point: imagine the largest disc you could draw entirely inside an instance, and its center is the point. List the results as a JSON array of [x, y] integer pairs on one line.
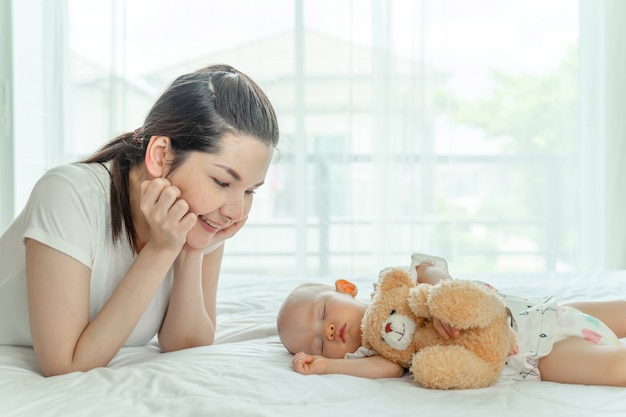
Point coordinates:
[[341, 334]]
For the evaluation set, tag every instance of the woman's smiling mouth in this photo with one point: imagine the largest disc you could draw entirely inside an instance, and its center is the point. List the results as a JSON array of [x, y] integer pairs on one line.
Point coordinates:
[[214, 227]]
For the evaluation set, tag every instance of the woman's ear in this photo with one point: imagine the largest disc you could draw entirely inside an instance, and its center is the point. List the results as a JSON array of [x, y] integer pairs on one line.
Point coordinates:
[[346, 287], [158, 153]]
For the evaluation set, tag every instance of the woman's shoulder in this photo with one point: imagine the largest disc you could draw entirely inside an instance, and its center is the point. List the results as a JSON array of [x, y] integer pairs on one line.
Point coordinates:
[[80, 185], [79, 171], [68, 210], [80, 176]]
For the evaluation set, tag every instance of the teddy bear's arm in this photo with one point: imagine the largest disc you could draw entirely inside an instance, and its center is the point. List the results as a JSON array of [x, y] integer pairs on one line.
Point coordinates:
[[464, 304], [418, 298]]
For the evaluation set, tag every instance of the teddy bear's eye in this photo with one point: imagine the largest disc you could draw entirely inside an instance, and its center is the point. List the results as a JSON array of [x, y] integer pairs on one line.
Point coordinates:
[[393, 312]]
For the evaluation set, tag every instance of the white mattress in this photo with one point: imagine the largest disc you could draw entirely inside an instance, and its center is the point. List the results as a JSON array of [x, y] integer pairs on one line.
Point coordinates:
[[248, 373]]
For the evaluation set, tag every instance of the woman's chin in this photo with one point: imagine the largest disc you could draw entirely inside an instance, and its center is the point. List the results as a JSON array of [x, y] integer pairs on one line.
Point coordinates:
[[199, 242]]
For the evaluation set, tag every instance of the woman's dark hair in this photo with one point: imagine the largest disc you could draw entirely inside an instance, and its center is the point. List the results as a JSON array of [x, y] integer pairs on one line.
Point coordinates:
[[195, 112]]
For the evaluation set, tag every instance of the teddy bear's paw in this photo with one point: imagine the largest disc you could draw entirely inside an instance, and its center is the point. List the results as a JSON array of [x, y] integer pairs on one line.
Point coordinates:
[[418, 300], [452, 367], [464, 304]]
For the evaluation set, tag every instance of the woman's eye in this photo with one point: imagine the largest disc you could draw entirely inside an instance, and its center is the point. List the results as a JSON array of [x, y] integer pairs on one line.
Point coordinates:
[[250, 192], [220, 183]]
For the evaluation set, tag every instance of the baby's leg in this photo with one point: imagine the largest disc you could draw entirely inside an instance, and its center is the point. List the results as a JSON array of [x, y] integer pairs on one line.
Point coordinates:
[[579, 361], [611, 313]]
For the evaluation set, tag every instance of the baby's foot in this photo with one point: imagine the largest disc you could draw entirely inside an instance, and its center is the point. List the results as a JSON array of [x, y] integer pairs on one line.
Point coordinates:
[[418, 258]]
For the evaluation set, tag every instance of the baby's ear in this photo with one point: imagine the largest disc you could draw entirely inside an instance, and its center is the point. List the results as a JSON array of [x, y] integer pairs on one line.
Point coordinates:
[[346, 287]]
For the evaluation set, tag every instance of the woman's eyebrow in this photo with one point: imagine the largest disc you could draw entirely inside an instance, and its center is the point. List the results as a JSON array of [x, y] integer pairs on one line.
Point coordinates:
[[235, 174], [231, 171]]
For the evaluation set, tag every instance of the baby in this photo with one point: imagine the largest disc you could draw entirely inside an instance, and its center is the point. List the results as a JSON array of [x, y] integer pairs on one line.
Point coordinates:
[[321, 325], [577, 343]]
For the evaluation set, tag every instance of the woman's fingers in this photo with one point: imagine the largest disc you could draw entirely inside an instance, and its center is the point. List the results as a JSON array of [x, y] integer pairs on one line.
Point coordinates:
[[167, 214]]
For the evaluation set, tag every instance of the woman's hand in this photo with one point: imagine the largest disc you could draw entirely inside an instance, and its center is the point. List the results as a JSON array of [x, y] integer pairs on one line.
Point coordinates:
[[306, 364], [228, 232], [167, 214]]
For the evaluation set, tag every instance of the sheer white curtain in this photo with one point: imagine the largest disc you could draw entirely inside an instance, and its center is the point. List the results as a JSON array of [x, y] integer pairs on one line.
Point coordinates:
[[6, 116], [474, 130], [615, 133]]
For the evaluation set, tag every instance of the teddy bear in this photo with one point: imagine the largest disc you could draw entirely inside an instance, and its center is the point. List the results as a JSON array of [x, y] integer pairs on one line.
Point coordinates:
[[398, 325]]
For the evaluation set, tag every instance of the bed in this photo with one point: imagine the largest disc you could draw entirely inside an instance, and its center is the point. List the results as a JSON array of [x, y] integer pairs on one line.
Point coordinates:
[[248, 373]]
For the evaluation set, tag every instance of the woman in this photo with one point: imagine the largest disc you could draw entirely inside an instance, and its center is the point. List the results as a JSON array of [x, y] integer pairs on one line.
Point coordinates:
[[128, 243]]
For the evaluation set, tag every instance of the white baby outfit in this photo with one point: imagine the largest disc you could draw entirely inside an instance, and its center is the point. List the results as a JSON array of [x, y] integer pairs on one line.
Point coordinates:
[[539, 325]]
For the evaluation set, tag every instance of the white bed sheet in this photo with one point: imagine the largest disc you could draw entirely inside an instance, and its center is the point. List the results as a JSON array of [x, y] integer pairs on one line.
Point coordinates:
[[248, 373]]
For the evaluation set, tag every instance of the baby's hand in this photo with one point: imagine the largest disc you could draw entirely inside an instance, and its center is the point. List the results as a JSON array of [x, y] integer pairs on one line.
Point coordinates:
[[306, 364], [445, 330]]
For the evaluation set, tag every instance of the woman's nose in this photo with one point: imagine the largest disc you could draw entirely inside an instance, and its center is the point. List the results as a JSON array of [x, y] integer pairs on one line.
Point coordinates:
[[234, 209], [330, 331]]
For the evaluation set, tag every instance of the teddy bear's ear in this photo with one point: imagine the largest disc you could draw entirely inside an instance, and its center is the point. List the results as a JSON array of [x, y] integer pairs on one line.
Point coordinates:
[[346, 287], [394, 278]]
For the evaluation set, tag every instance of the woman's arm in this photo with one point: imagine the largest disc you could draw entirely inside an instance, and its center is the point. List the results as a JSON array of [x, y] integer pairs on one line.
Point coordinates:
[[58, 297], [191, 315], [59, 289], [369, 367], [190, 319]]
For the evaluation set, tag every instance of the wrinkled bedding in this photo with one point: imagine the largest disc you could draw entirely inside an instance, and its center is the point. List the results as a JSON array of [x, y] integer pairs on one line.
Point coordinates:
[[248, 373]]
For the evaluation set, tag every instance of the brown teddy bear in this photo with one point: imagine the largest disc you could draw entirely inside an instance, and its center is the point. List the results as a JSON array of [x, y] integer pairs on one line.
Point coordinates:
[[398, 325]]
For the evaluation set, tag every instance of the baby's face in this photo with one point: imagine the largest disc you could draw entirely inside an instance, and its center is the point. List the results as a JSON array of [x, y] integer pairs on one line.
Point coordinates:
[[326, 323]]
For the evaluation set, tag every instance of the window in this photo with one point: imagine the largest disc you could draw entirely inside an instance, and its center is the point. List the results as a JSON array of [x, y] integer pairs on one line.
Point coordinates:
[[449, 127]]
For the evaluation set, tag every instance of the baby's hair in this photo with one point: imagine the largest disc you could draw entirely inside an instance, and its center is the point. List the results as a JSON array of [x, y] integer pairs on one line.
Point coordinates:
[[311, 287]]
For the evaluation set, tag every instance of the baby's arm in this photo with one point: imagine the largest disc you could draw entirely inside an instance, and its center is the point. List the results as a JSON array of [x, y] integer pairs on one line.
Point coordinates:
[[369, 367], [429, 273]]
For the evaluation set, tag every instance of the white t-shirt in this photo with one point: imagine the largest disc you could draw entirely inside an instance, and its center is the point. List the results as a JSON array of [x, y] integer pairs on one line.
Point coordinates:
[[68, 210]]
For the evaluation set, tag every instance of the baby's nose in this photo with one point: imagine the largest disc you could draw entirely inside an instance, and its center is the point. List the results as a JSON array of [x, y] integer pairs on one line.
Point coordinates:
[[330, 331]]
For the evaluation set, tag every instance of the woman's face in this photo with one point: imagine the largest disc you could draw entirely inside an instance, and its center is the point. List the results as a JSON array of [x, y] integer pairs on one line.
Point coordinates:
[[219, 188]]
